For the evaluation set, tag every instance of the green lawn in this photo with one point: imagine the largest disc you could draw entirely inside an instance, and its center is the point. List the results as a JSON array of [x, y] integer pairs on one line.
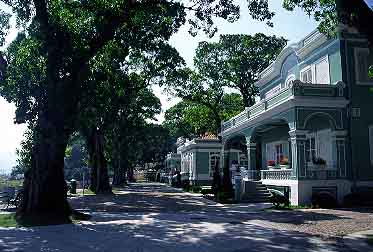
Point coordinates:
[[7, 220], [10, 183]]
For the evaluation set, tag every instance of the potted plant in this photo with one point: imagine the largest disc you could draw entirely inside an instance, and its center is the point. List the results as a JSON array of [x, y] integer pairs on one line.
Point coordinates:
[[271, 163], [320, 166], [284, 163], [319, 162]]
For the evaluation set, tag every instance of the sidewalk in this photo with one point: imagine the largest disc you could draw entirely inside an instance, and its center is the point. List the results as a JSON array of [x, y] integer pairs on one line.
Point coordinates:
[[358, 241]]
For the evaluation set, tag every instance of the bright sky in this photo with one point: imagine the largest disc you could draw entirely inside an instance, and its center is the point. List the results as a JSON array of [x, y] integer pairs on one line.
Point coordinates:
[[291, 25]]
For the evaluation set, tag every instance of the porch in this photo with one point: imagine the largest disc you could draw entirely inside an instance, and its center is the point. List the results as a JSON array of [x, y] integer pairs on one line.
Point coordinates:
[[297, 134]]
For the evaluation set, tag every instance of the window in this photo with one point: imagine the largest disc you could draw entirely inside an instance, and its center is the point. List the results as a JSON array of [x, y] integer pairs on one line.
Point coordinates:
[[311, 147], [319, 145], [371, 143], [322, 71], [306, 75], [277, 152], [186, 163], [214, 161], [317, 73]]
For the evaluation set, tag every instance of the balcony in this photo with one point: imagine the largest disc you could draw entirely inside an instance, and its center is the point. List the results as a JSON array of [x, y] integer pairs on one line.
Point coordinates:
[[311, 173], [297, 92]]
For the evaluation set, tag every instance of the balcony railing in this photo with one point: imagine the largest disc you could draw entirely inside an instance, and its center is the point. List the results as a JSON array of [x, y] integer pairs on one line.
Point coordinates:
[[276, 175], [296, 89]]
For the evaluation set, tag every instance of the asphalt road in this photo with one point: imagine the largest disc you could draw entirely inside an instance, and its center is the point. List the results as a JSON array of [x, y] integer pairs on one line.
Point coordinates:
[[155, 217]]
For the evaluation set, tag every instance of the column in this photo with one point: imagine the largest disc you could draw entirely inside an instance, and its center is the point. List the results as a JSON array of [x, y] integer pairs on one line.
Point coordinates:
[[298, 153], [339, 139], [251, 158]]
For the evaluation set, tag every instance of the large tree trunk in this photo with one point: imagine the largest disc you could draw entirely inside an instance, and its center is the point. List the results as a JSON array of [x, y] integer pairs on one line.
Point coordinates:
[[99, 171], [130, 174], [45, 189], [119, 166]]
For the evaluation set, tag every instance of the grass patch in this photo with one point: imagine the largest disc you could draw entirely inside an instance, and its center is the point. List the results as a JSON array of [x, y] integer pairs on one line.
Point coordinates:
[[8, 220], [10, 183], [288, 208]]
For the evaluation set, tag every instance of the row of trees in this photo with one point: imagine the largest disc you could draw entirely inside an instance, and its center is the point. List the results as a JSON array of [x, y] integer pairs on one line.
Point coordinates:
[[85, 67]]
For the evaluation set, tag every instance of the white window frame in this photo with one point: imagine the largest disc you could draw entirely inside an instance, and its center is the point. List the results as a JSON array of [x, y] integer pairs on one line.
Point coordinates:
[[306, 69], [358, 80], [309, 138], [213, 155], [273, 156], [326, 57], [311, 135], [312, 67], [370, 128]]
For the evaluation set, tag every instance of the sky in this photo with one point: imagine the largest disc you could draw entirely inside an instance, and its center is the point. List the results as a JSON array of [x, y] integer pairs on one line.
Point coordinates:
[[291, 25]]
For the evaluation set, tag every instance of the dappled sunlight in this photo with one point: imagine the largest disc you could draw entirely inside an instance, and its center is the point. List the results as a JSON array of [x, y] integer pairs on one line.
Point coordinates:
[[148, 220]]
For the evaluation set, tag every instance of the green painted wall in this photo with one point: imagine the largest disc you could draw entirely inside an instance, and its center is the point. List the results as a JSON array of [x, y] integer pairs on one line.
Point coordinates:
[[202, 162], [361, 97]]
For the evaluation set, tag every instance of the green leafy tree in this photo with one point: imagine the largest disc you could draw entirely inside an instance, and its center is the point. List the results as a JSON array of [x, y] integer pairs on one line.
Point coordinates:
[[175, 121], [329, 13], [236, 61], [47, 69], [191, 118]]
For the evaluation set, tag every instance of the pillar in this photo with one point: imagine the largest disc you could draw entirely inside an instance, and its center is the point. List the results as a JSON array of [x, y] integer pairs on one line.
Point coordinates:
[[339, 139], [298, 153], [251, 158]]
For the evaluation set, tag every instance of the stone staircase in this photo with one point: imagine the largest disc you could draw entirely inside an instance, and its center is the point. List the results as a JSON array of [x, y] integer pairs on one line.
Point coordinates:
[[254, 192]]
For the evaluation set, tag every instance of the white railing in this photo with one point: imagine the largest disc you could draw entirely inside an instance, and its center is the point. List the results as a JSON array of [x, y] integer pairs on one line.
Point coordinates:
[[279, 95], [277, 175], [274, 91]]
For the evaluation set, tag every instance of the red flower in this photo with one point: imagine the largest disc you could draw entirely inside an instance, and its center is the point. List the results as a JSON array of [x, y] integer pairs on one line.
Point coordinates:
[[271, 163]]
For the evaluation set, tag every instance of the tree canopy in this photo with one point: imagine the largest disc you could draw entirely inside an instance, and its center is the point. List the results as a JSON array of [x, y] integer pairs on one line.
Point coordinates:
[[236, 61]]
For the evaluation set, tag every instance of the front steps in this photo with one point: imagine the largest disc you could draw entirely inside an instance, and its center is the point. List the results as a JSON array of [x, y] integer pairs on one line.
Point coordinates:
[[254, 192]]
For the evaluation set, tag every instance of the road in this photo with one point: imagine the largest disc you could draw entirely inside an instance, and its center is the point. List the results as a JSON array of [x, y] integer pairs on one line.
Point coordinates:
[[154, 217]]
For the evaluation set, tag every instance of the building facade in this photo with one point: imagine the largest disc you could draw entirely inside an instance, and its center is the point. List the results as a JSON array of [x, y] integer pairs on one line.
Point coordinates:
[[199, 157], [312, 130]]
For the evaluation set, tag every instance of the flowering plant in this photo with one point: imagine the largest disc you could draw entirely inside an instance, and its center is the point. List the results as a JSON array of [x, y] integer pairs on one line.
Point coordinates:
[[271, 163], [284, 161]]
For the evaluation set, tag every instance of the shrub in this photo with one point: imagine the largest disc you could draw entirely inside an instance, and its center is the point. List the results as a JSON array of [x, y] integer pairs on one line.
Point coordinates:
[[196, 189], [206, 191], [318, 161], [186, 186], [323, 200], [278, 199]]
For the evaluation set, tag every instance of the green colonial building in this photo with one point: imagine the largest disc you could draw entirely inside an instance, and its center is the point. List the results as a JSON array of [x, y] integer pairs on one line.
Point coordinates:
[[199, 157], [312, 129]]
